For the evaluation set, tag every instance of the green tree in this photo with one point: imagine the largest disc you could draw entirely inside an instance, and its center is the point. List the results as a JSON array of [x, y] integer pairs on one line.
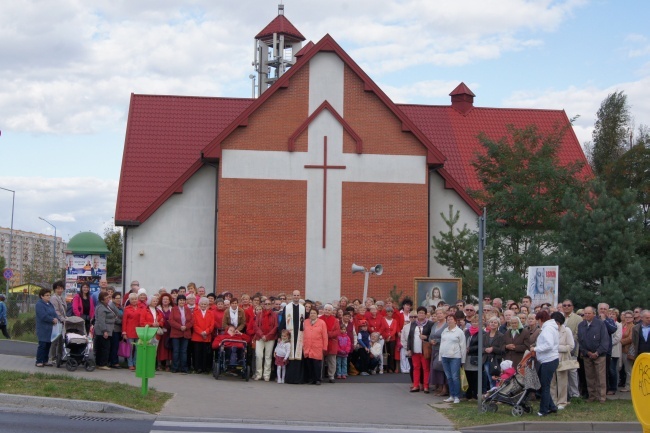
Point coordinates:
[[599, 244], [457, 249], [523, 183], [114, 242], [632, 170], [3, 282], [611, 131]]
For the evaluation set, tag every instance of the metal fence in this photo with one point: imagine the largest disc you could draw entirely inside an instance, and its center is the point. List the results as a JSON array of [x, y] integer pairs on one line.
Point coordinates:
[[21, 317]]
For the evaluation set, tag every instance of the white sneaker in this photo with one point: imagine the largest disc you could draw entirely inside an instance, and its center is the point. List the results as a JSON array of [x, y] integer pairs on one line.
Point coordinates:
[[456, 400], [449, 400], [279, 380], [381, 371]]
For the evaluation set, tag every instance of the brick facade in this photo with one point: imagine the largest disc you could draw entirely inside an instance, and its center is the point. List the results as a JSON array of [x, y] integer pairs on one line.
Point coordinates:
[[261, 223]]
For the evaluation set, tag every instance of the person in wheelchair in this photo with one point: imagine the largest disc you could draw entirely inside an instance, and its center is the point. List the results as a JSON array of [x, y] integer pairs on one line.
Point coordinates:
[[234, 350]]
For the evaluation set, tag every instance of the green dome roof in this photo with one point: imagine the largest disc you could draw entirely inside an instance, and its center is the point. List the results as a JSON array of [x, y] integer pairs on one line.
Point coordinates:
[[87, 243]]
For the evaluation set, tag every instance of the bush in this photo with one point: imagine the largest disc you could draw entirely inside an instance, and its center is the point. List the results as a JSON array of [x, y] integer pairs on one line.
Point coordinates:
[[29, 325], [12, 307], [17, 329]]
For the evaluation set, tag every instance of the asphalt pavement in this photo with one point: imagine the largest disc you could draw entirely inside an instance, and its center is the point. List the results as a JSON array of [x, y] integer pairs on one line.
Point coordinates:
[[361, 403]]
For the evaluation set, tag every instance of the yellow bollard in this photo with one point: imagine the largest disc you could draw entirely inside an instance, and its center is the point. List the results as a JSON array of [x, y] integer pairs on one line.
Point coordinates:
[[640, 384]]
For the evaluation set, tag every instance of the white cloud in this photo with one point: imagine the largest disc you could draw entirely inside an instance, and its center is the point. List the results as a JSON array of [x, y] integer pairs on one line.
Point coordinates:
[[71, 204], [585, 101], [424, 90], [68, 67], [639, 45]]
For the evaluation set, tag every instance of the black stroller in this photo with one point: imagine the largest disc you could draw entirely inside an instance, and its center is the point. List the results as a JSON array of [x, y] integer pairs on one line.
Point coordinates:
[[512, 392], [77, 346]]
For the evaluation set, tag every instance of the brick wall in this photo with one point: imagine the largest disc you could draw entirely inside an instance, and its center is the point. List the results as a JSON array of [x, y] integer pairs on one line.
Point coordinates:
[[261, 226]]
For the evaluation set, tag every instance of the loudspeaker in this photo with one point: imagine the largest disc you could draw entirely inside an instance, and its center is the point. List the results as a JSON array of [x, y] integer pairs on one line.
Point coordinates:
[[357, 268], [377, 270]]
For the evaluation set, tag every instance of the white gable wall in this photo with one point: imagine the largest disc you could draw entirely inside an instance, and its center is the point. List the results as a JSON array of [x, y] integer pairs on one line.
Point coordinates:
[[177, 240], [439, 200]]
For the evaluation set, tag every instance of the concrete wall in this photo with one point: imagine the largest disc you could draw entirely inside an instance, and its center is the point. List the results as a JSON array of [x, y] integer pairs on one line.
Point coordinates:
[[177, 240], [439, 200]]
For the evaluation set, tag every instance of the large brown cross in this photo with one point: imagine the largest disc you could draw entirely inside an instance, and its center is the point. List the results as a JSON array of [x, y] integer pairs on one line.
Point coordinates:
[[325, 167]]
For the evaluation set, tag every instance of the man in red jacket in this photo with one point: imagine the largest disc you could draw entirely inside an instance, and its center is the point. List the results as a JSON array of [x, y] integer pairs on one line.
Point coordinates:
[[266, 329], [333, 332]]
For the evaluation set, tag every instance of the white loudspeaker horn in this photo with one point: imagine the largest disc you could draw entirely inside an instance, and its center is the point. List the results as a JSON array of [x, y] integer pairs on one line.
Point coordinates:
[[377, 270], [357, 268]]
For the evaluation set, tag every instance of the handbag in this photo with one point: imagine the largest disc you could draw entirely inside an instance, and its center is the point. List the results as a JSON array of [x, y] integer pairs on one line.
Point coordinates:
[[631, 353], [495, 367], [124, 349], [464, 384], [426, 350], [473, 360], [568, 364], [531, 379], [56, 331]]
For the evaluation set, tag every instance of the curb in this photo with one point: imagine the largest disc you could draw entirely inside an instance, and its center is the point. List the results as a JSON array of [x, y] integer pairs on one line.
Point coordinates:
[[558, 427], [68, 405]]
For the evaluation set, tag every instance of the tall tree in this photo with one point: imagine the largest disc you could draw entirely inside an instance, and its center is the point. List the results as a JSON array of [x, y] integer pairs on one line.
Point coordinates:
[[114, 242], [599, 249], [611, 132], [456, 249], [523, 183]]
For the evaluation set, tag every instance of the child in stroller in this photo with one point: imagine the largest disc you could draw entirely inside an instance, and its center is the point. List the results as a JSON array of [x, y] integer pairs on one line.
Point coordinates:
[[231, 350], [510, 390]]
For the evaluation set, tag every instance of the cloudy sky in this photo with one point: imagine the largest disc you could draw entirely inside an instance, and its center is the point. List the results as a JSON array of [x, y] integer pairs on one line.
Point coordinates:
[[68, 67]]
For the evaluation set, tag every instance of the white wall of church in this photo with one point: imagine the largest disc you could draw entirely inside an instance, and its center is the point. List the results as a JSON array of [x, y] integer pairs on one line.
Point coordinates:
[[439, 200], [177, 240]]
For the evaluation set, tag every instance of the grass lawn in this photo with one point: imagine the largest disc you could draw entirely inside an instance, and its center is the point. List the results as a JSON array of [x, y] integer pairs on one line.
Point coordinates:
[[59, 386], [466, 414]]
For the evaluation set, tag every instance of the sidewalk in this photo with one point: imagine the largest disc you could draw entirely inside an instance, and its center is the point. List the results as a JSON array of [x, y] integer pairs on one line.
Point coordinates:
[[387, 403], [362, 401]]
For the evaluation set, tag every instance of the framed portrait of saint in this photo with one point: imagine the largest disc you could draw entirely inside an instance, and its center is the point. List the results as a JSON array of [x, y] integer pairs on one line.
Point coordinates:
[[429, 292]]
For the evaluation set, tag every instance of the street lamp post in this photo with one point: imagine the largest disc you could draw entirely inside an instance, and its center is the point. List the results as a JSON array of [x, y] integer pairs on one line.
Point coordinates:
[[54, 258], [11, 231]]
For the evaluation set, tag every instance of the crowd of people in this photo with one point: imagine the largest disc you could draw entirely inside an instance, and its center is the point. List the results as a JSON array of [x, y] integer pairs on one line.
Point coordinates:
[[585, 353]]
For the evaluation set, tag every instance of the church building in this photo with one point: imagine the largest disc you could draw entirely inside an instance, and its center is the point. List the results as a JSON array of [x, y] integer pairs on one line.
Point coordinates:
[[287, 190]]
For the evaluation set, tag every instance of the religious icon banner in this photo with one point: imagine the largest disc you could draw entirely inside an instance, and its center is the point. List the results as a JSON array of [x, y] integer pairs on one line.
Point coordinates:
[[542, 284]]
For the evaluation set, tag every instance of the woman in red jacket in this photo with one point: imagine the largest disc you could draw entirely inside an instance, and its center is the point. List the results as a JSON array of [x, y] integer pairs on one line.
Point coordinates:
[[151, 315], [130, 320], [202, 337], [391, 336], [180, 322]]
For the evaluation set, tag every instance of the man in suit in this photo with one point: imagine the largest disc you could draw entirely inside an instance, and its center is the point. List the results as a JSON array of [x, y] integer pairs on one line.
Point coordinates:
[[594, 342]]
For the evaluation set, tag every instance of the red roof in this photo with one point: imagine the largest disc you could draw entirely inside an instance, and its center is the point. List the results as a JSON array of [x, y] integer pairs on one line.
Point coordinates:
[[455, 134], [168, 137], [164, 138], [280, 25], [462, 89]]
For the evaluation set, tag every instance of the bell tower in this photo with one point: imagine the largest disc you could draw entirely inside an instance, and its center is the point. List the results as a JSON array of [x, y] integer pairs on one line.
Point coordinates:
[[275, 50]]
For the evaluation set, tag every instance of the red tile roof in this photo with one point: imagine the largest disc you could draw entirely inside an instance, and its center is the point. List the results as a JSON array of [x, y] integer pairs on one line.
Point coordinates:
[[462, 89], [168, 136], [164, 139], [280, 25], [455, 134]]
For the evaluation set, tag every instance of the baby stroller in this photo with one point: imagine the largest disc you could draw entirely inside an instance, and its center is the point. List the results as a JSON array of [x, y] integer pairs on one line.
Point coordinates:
[[230, 357], [77, 345], [512, 392]]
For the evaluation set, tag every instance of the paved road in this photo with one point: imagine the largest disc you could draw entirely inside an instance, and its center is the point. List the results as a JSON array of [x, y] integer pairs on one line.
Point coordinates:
[[49, 423]]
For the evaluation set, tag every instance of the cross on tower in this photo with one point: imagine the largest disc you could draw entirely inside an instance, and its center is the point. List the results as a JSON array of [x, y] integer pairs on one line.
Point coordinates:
[[325, 167]]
